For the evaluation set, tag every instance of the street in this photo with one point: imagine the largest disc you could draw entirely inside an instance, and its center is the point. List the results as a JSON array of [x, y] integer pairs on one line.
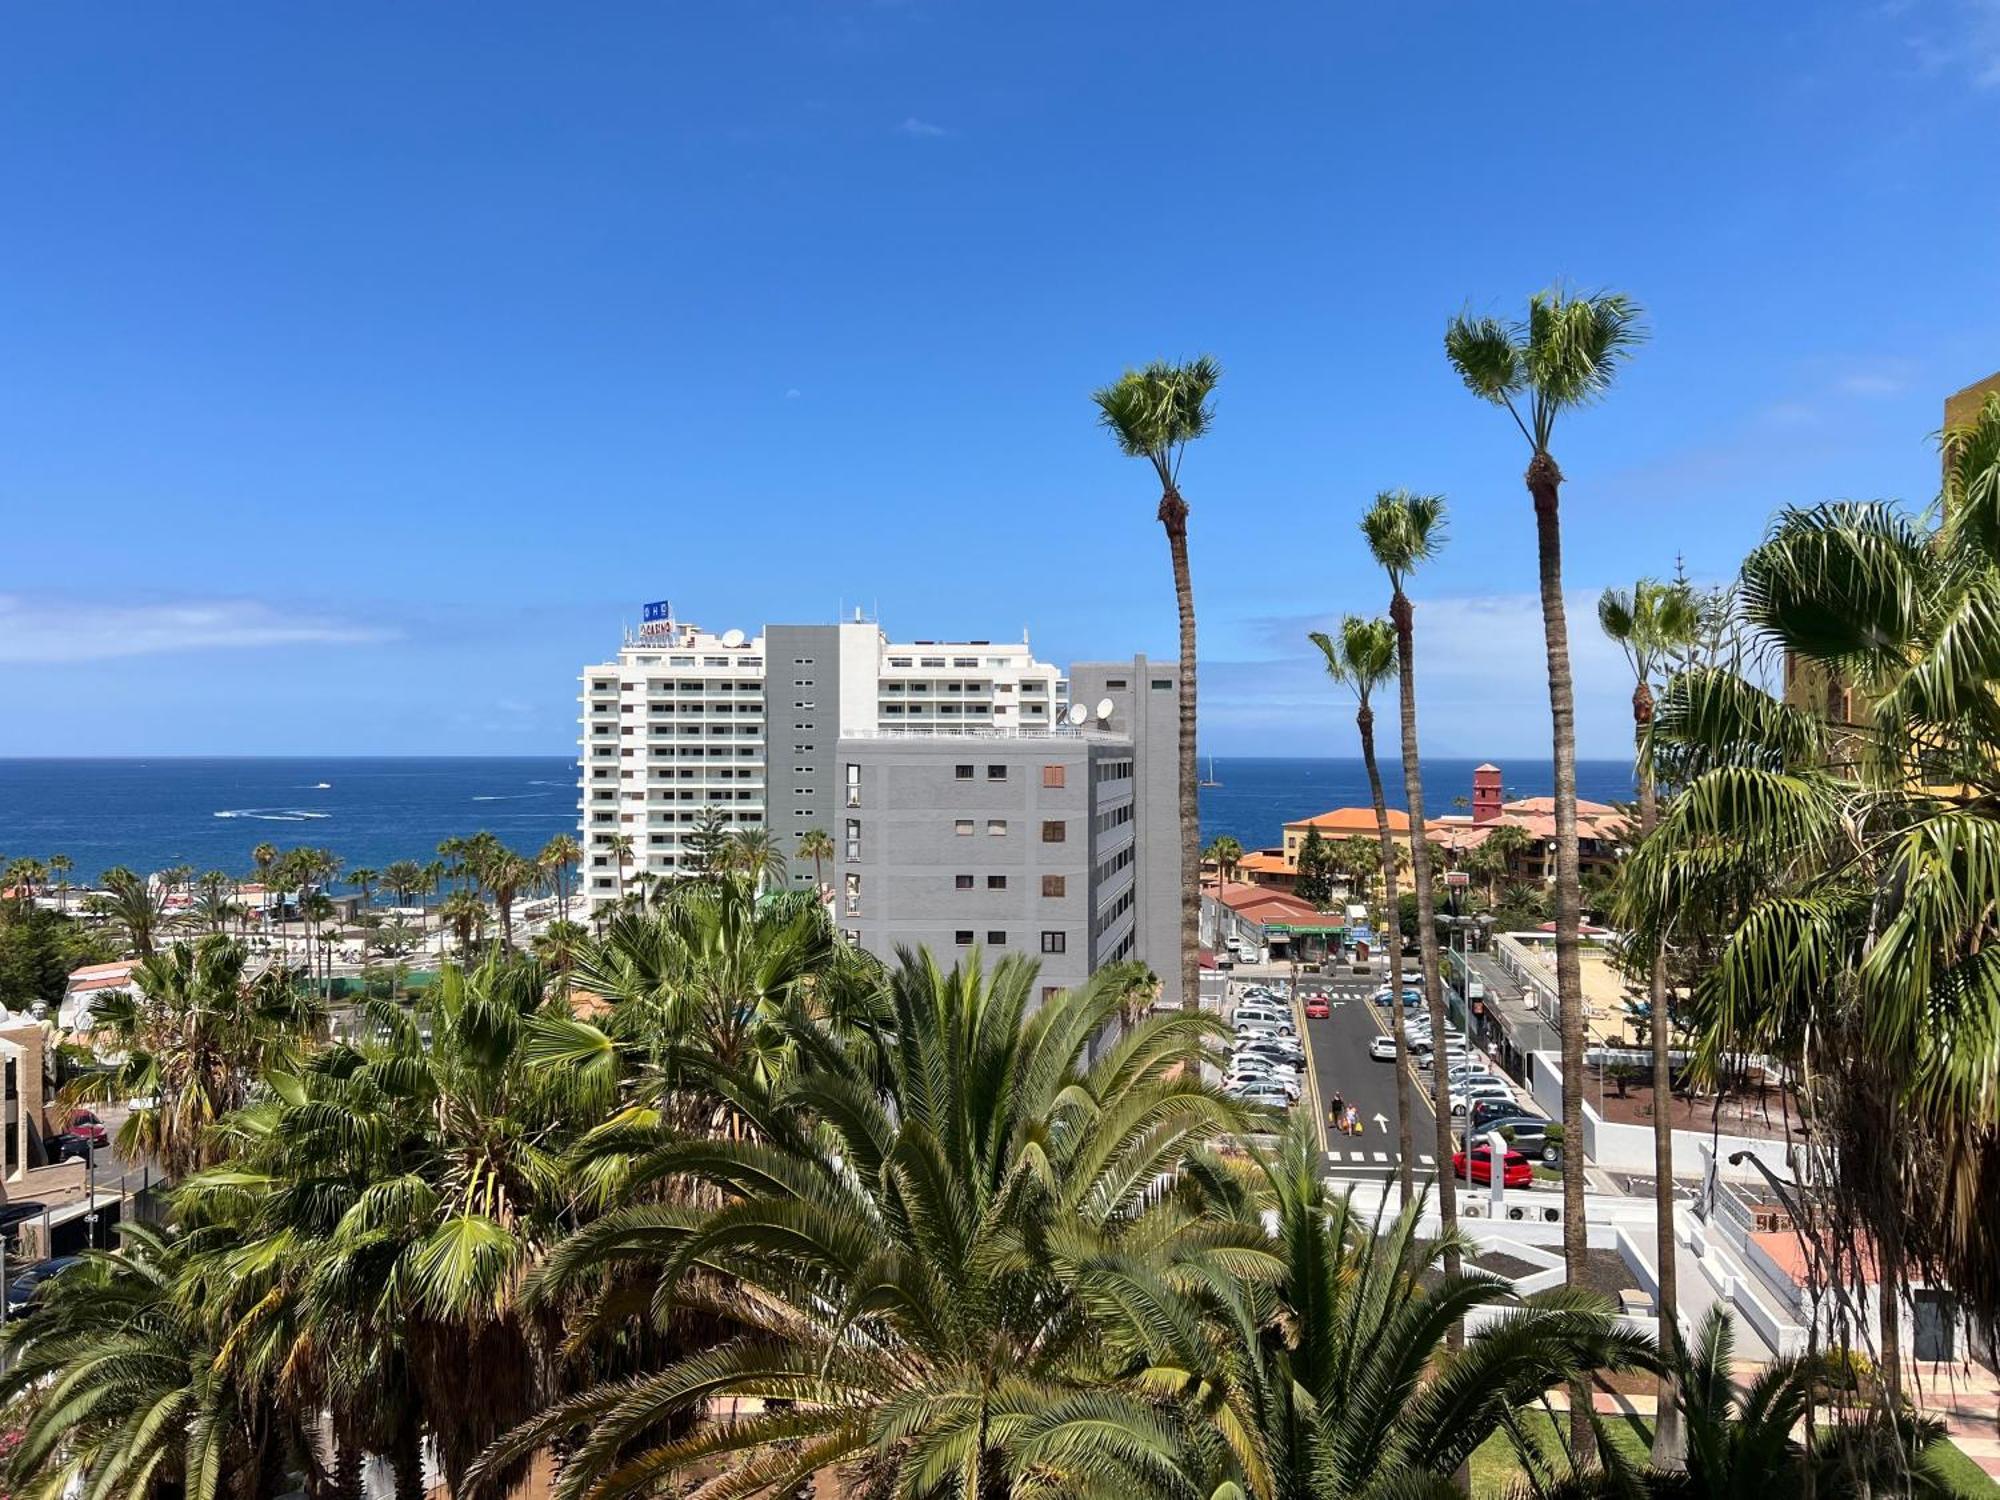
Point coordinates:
[[1337, 1051]]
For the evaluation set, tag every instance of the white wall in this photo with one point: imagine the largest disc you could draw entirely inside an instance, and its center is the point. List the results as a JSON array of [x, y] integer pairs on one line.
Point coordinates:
[[1629, 1148]]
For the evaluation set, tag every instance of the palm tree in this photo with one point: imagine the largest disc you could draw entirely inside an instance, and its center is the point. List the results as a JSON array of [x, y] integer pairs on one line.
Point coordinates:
[[1563, 355], [1361, 661], [60, 866], [194, 1038], [620, 847], [1331, 1382], [816, 845], [464, 914], [1227, 853], [1652, 623], [364, 880], [755, 852], [559, 856], [116, 1384], [1154, 413], [1404, 531], [405, 877], [134, 905], [1837, 880], [558, 947], [918, 1231], [505, 874], [213, 906]]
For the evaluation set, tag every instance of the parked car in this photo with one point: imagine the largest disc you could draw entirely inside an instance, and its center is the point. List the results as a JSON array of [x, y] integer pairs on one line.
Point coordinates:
[[1461, 1098], [1271, 1095], [1239, 1082], [1318, 1008], [1411, 998], [1382, 1049], [1454, 1054], [1514, 1168], [13, 1213], [1530, 1138], [84, 1123], [1485, 1111], [70, 1146], [21, 1290]]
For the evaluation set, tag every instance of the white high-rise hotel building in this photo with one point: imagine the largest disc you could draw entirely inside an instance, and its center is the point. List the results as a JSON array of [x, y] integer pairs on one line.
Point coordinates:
[[967, 801]]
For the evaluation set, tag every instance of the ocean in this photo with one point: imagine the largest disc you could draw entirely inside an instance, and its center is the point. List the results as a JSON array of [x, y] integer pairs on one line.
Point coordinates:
[[210, 813]]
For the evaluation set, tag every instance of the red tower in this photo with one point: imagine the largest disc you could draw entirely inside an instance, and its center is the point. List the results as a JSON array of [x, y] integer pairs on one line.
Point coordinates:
[[1486, 794]]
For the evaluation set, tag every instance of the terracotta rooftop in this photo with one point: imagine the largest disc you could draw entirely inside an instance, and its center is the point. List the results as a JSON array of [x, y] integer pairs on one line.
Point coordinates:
[[101, 976], [1353, 820]]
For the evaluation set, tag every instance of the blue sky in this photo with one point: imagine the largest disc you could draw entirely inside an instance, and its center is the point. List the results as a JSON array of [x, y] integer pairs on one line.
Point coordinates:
[[363, 367]]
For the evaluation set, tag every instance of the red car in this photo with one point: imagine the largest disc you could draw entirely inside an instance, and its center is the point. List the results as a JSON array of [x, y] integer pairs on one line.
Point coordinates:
[[86, 1126], [1316, 1008], [1514, 1169]]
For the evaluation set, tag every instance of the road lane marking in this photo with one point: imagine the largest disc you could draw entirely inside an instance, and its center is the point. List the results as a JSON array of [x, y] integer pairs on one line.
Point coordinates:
[[1380, 1157]]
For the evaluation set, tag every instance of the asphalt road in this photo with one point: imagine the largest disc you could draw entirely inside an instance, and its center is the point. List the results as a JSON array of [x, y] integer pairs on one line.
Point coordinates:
[[1341, 1066]]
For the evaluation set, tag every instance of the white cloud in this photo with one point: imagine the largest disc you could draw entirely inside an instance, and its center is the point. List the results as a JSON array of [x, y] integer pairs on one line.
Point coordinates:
[[71, 630], [792, 393], [922, 129], [1871, 383]]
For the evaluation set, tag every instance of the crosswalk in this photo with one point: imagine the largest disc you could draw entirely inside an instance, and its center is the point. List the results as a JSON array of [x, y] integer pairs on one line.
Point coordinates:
[[1375, 1158]]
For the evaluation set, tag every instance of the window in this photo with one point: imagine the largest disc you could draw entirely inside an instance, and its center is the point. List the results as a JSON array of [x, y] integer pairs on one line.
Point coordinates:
[[1114, 683], [1053, 775], [1054, 831], [996, 939], [962, 827], [1055, 885], [853, 839], [1163, 684], [853, 895], [997, 827], [964, 773], [996, 773], [1055, 942], [961, 882], [963, 937], [996, 882], [853, 784]]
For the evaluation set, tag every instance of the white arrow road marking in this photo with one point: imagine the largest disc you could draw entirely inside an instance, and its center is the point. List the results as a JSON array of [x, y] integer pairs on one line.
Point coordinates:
[[1381, 1122]]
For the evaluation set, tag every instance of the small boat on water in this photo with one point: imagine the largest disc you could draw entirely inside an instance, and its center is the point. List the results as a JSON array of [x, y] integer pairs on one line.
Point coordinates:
[[1209, 779]]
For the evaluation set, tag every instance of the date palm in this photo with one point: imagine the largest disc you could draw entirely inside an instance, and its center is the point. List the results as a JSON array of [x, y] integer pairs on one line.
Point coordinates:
[[1154, 413], [1563, 355], [60, 868], [1652, 623], [364, 881], [619, 846], [138, 909], [1403, 532], [755, 852], [1227, 852], [464, 915], [918, 1235], [405, 877], [1361, 660]]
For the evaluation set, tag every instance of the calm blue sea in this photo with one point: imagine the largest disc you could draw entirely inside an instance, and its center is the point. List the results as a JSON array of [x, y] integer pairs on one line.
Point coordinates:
[[150, 814]]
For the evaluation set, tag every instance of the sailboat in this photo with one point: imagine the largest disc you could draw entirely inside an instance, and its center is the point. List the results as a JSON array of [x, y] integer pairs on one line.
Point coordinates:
[[1209, 779]]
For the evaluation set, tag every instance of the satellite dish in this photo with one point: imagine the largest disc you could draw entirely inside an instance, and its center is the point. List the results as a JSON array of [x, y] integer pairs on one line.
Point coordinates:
[[1104, 707], [732, 638], [1076, 714]]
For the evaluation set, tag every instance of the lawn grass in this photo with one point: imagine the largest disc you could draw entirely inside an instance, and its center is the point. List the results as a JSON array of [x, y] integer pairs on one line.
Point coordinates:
[[1495, 1467]]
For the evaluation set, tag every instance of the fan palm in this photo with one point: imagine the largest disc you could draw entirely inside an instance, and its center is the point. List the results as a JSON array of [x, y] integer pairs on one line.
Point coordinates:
[[1563, 355], [918, 1232], [1361, 661], [559, 857], [1850, 874], [1652, 623], [194, 1036], [755, 852], [1403, 532], [1154, 413], [464, 914], [1227, 852], [391, 1196]]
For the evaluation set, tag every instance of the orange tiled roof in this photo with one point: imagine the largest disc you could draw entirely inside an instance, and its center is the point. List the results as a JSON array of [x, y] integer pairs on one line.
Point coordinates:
[[1262, 904], [1345, 820], [101, 976], [1265, 862]]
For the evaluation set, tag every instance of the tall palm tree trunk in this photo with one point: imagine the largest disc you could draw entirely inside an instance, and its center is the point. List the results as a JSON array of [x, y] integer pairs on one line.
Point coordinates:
[[1544, 482], [1173, 516], [1405, 1147], [1427, 942], [1667, 1438]]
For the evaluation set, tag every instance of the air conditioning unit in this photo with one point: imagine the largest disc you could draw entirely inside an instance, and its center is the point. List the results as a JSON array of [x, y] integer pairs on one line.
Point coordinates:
[[1472, 1208], [1552, 1215], [1517, 1213]]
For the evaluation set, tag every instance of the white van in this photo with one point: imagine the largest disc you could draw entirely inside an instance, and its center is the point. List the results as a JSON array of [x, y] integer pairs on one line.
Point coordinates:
[[1254, 1010]]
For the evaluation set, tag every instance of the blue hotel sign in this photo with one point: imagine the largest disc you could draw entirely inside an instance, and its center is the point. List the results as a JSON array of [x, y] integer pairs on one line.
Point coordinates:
[[659, 609]]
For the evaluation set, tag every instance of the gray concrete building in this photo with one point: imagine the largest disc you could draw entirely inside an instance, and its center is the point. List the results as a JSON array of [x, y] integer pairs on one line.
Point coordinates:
[[1143, 698], [1018, 843]]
